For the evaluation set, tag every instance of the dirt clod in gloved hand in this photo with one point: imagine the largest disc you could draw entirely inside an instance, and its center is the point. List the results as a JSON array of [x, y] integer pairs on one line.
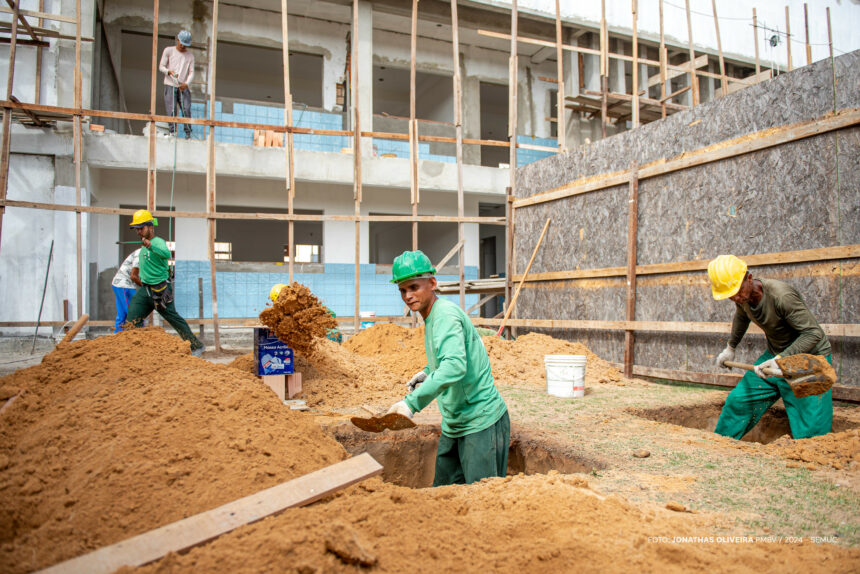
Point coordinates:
[[298, 318]]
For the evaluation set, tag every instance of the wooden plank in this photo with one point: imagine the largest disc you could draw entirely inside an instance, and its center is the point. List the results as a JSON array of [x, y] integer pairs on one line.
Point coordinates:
[[722, 150], [257, 216], [481, 302], [729, 380], [741, 83], [724, 84], [211, 171], [700, 62], [151, 175], [200, 528], [604, 69], [290, 179], [513, 75], [806, 27], [635, 83], [561, 128], [632, 234], [458, 123], [413, 125], [760, 259], [830, 329], [40, 14], [755, 41], [6, 145], [664, 60], [693, 81], [356, 166], [13, 5], [788, 38]]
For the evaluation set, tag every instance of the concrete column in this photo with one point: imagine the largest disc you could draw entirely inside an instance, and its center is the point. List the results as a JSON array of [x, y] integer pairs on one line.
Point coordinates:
[[471, 118], [706, 93], [365, 72], [617, 72]]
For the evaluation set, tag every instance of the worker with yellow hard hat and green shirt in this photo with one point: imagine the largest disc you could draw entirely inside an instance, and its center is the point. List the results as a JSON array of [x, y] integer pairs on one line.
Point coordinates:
[[156, 290], [789, 328], [476, 428]]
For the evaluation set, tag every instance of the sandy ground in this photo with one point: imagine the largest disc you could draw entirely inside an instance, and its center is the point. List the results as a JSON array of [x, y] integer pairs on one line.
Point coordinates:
[[119, 435]]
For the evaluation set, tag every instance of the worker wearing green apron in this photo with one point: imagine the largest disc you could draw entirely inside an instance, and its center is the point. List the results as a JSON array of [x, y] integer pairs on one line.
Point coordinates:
[[790, 328], [476, 428]]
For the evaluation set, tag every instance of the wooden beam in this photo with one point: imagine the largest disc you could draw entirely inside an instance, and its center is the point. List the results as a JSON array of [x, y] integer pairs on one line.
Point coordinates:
[[736, 84], [693, 81], [724, 84], [635, 83], [289, 150], [151, 179], [7, 118], [723, 150], [458, 123], [481, 302], [356, 166], [755, 41], [788, 38], [806, 27], [509, 244], [512, 135], [664, 60], [760, 259], [830, 329], [604, 69], [39, 14], [632, 235], [200, 528], [255, 216], [17, 12], [211, 180], [78, 151], [413, 124], [561, 127]]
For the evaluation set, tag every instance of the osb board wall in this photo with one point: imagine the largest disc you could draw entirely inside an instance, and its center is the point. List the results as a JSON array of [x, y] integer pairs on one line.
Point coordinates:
[[801, 195]]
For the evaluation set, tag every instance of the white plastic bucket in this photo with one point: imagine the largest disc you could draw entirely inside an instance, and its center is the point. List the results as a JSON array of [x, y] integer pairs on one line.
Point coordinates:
[[565, 375], [366, 315]]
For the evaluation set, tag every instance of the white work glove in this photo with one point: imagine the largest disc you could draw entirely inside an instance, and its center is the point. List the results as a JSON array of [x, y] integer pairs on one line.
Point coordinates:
[[771, 367], [401, 408], [728, 354], [416, 380]]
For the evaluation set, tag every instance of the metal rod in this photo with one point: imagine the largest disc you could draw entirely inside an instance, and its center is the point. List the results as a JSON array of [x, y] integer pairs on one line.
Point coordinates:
[[44, 290]]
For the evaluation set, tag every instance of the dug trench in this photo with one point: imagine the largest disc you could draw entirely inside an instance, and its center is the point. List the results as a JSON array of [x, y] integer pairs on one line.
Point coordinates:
[[408, 456], [772, 426]]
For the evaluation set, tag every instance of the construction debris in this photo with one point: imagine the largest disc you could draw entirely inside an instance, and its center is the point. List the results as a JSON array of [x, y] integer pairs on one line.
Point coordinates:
[[298, 318]]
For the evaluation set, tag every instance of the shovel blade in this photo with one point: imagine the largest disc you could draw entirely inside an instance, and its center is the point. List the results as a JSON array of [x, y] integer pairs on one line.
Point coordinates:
[[808, 375], [392, 421]]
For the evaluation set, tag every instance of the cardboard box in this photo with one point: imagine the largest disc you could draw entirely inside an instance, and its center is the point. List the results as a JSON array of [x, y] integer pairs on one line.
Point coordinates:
[[271, 356]]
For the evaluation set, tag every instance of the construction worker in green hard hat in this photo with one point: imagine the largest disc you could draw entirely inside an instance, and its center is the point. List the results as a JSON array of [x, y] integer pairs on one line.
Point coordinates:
[[476, 428], [156, 291], [789, 328]]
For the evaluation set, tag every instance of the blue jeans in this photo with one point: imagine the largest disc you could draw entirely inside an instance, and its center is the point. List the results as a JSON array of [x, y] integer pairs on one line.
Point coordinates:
[[123, 297], [178, 103]]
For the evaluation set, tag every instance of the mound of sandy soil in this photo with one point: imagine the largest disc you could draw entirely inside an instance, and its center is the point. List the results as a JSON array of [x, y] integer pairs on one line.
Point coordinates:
[[541, 523], [298, 318], [118, 435], [520, 362], [840, 450], [397, 349]]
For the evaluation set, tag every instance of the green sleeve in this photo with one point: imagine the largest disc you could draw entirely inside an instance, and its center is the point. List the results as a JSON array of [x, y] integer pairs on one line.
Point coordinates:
[[450, 344], [740, 324], [795, 312], [159, 247]]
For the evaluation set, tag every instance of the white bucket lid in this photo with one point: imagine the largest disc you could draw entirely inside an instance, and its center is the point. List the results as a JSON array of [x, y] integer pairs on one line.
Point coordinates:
[[565, 359]]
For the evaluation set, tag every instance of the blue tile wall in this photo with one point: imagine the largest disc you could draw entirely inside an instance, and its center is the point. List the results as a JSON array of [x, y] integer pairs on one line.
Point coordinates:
[[527, 156], [401, 149], [245, 294]]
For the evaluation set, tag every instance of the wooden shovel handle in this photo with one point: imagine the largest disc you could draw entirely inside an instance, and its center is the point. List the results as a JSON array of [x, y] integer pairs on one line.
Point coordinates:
[[79, 324], [746, 366]]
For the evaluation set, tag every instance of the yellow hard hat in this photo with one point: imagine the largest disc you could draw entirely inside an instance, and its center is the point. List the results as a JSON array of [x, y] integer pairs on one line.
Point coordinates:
[[276, 290], [142, 217], [726, 273]]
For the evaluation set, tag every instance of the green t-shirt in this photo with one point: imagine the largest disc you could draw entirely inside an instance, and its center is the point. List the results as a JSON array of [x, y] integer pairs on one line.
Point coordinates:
[[787, 322], [153, 262], [459, 375]]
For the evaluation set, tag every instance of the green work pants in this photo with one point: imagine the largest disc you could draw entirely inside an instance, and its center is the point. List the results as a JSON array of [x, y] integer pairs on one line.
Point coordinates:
[[474, 456], [748, 401], [141, 306]]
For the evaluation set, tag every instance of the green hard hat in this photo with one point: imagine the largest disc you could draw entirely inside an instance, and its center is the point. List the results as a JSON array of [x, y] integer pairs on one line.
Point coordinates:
[[410, 264]]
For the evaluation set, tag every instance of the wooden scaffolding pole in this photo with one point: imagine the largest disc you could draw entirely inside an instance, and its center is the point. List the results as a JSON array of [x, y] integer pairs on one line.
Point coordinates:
[[561, 123], [663, 62], [151, 169], [288, 144], [356, 170], [7, 116], [211, 205], [788, 38], [724, 83], [604, 68], [413, 124], [635, 67], [755, 41], [806, 27], [632, 233], [512, 123], [694, 83], [458, 126], [38, 89], [79, 259]]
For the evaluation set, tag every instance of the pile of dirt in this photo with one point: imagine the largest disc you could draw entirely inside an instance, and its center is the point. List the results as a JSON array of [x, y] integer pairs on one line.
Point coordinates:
[[549, 523], [397, 349], [298, 318], [520, 362], [118, 435], [840, 450], [244, 363]]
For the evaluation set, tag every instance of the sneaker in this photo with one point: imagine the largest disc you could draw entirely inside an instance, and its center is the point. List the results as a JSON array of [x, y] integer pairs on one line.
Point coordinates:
[[198, 352]]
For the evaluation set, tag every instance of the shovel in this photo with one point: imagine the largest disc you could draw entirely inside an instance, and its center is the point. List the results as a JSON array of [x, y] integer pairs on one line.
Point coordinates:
[[393, 421], [807, 375]]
